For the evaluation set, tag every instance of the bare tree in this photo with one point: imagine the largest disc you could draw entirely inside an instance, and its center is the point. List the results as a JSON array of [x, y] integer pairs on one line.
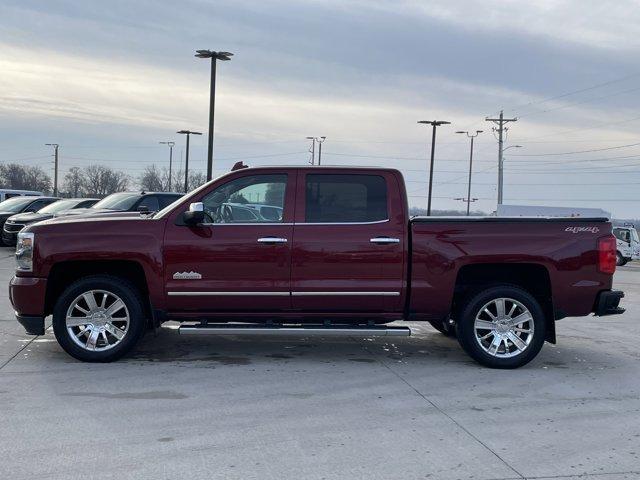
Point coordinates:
[[101, 181], [74, 182], [152, 179], [195, 180], [20, 177]]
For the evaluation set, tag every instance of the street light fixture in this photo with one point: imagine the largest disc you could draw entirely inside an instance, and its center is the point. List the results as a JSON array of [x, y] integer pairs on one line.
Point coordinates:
[[472, 136], [434, 124], [170, 144], [55, 167], [214, 56], [313, 149], [501, 174], [188, 133]]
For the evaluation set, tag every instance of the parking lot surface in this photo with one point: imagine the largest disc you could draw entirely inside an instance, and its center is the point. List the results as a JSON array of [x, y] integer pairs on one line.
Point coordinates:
[[335, 408]]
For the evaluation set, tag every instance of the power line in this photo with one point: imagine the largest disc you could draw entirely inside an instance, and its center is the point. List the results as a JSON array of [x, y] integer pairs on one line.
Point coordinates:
[[574, 152], [574, 92]]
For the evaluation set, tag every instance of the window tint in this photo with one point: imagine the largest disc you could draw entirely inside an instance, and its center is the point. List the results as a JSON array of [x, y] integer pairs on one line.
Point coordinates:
[[151, 202], [37, 205], [167, 199], [251, 199], [345, 198]]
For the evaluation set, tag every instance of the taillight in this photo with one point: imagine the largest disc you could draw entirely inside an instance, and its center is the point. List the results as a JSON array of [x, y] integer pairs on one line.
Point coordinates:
[[607, 254]]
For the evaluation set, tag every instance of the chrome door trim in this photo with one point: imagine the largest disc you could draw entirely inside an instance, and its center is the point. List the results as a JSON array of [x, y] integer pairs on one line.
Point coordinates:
[[229, 294], [253, 224], [280, 294], [343, 223], [345, 294]]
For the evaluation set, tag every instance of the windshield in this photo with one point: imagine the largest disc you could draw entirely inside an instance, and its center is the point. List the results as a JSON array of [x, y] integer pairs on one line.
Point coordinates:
[[58, 206], [634, 234], [118, 201], [15, 205]]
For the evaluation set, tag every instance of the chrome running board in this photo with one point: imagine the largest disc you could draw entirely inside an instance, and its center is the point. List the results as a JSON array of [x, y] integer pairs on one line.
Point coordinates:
[[302, 330]]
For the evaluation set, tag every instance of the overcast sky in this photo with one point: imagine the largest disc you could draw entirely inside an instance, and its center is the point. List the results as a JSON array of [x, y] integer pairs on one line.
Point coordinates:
[[108, 80]]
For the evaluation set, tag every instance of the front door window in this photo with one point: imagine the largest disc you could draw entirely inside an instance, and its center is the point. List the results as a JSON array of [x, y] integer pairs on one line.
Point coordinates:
[[251, 199]]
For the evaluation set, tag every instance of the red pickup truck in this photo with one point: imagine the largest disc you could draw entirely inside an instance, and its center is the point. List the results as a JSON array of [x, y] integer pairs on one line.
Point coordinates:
[[311, 250]]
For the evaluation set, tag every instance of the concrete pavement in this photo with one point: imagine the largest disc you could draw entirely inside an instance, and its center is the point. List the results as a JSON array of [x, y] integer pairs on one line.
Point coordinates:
[[335, 408]]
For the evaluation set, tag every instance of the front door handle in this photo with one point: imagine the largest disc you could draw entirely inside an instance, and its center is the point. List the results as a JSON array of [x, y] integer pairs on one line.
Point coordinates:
[[272, 240], [384, 240]]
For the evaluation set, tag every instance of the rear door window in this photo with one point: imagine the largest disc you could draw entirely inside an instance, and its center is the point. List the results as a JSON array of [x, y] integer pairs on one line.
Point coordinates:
[[338, 198]]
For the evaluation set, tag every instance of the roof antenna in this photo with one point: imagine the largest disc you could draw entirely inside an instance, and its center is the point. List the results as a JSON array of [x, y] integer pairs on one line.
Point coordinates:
[[239, 166]]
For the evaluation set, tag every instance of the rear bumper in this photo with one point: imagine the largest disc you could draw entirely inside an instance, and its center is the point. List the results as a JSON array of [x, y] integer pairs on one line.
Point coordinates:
[[607, 303]]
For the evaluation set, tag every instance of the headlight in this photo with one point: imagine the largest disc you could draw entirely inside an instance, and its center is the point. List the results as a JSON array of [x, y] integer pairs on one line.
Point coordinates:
[[24, 251]]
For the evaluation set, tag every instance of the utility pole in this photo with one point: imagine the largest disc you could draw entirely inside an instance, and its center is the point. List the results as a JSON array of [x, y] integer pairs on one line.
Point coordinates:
[[320, 140], [55, 167], [188, 133], [171, 144], [472, 137], [501, 122], [313, 150], [434, 124], [212, 99]]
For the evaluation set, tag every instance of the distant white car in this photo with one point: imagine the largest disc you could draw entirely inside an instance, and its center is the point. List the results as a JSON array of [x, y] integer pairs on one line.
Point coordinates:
[[7, 193]]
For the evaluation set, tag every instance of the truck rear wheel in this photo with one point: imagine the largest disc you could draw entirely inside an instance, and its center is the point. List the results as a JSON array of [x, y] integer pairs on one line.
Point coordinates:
[[99, 318], [502, 327]]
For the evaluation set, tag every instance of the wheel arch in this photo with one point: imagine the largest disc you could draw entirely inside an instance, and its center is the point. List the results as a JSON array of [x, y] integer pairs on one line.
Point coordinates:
[[65, 273], [531, 277]]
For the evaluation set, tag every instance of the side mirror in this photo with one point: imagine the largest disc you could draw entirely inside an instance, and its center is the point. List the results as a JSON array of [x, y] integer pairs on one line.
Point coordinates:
[[143, 209], [195, 214]]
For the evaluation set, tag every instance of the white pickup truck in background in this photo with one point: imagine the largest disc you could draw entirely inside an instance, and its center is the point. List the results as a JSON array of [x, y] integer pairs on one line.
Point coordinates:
[[627, 243]]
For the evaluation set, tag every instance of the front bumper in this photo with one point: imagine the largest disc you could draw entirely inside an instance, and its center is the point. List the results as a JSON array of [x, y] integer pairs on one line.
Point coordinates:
[[607, 303], [32, 325], [9, 238], [27, 295]]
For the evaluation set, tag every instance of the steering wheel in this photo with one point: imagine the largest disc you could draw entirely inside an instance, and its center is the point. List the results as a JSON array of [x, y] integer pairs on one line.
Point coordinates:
[[223, 214]]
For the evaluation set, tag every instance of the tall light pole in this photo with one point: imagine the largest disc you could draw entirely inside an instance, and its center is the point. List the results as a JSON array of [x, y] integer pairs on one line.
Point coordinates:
[[320, 140], [501, 183], [472, 137], [313, 150], [171, 144], [434, 124], [214, 56], [501, 128], [55, 167], [188, 133]]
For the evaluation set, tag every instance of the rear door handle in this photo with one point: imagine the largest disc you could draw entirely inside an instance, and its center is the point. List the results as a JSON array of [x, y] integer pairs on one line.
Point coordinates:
[[272, 240], [384, 240]]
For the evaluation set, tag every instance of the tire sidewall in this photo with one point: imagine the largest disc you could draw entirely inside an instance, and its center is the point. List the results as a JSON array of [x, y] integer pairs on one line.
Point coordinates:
[[119, 287], [466, 330]]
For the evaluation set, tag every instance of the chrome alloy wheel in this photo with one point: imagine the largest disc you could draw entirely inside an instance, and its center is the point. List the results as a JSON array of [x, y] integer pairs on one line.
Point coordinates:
[[504, 328], [97, 320]]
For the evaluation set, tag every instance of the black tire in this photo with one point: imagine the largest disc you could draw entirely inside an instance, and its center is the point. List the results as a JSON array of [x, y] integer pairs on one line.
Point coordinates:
[[467, 333], [620, 260], [444, 327], [120, 287]]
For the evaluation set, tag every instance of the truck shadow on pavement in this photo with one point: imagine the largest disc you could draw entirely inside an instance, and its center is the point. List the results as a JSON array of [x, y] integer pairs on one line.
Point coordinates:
[[168, 346]]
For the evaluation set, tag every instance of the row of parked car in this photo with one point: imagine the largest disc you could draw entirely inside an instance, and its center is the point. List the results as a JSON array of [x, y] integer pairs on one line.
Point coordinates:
[[26, 208]]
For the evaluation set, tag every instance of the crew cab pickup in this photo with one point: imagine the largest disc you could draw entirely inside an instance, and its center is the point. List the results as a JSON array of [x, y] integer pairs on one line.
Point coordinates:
[[311, 250]]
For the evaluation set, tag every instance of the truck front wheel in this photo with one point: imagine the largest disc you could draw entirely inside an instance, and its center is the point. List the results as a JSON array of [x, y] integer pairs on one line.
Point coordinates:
[[99, 318], [502, 327]]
